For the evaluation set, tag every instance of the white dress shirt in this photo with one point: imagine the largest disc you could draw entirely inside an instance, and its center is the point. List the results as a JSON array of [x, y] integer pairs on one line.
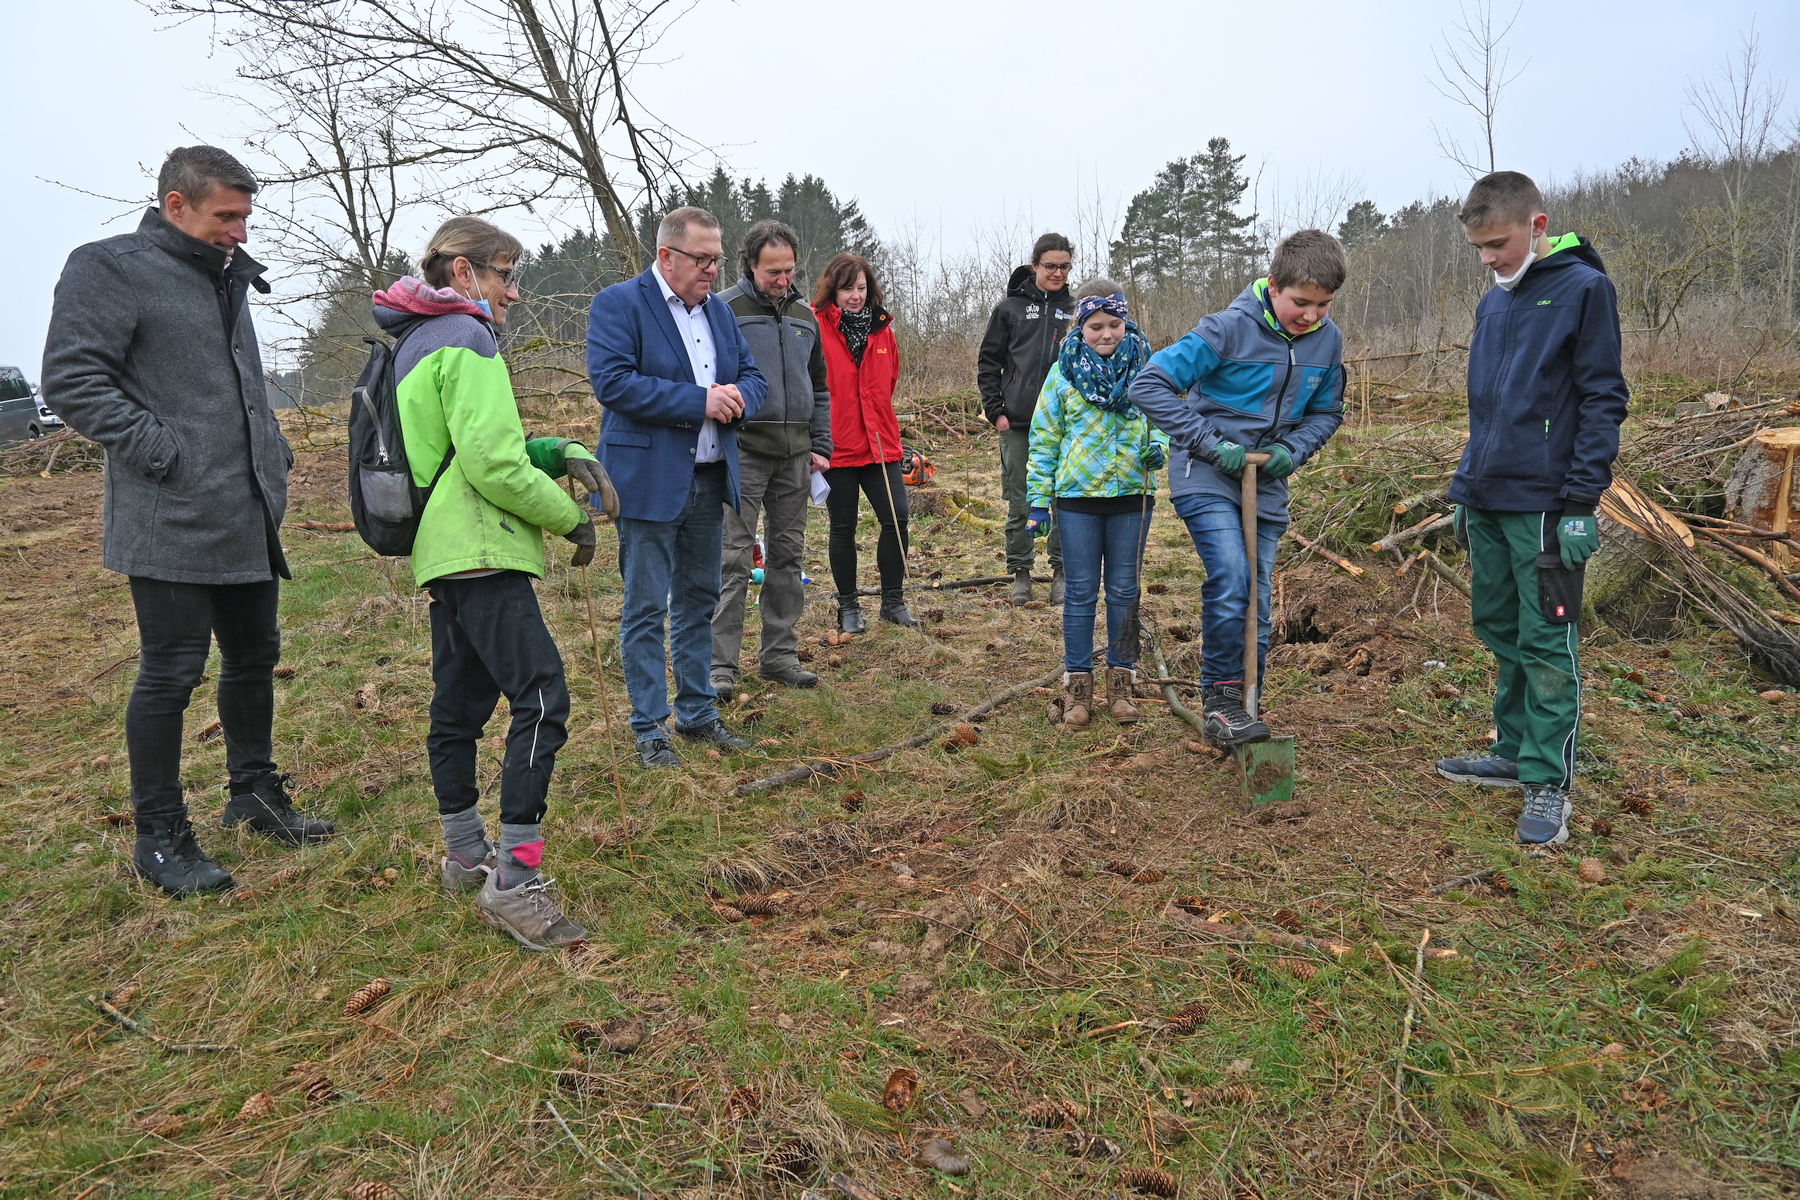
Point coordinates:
[[696, 333]]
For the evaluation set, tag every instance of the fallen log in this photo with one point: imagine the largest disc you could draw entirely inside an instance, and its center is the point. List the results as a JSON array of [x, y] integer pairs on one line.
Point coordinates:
[[833, 766], [1428, 525], [940, 586], [1325, 554], [1249, 934], [1168, 689], [1447, 574]]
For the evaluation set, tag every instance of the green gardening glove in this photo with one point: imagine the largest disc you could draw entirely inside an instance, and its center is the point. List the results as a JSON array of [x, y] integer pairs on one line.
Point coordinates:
[[1280, 464], [1459, 525], [1229, 458], [1578, 534]]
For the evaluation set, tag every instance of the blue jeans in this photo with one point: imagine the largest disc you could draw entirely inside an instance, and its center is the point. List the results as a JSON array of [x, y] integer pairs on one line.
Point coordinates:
[[1217, 526], [1092, 546], [671, 568]]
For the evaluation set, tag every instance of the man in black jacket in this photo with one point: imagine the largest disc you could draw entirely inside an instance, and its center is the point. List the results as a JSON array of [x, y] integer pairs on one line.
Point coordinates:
[[151, 354], [1017, 352], [780, 449]]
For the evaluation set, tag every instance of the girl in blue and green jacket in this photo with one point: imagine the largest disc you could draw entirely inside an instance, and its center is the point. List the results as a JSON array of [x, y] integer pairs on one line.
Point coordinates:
[[1093, 459]]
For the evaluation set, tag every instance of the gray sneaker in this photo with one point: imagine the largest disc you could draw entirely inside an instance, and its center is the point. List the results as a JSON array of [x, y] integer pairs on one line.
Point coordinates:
[[724, 685], [528, 914], [1545, 821], [1489, 769], [458, 878]]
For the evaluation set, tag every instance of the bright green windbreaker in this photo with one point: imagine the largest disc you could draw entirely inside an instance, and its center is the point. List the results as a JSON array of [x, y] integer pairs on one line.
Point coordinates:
[[498, 494]]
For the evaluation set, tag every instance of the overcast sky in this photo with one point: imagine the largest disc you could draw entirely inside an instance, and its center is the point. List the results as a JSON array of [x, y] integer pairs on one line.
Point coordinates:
[[959, 119]]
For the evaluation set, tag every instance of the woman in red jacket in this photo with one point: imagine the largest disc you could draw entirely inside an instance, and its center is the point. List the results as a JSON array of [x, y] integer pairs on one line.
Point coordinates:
[[862, 362]]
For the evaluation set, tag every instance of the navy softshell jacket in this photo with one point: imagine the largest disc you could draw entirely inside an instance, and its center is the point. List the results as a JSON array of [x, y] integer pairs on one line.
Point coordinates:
[[1547, 392]]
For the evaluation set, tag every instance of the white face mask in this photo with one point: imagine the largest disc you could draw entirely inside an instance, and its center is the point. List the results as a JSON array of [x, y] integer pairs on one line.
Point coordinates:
[[1512, 281]]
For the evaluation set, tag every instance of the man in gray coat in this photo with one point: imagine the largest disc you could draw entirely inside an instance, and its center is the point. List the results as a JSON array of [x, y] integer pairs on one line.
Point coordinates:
[[779, 451], [151, 354]]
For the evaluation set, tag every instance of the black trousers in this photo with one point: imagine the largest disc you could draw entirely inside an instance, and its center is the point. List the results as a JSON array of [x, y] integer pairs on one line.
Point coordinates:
[[841, 507], [487, 640], [176, 626]]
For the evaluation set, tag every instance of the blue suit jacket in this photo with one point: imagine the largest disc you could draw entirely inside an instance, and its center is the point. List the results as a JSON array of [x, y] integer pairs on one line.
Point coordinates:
[[644, 380]]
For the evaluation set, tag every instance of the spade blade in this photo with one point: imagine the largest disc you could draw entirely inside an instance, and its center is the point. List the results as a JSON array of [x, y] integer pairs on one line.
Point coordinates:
[[1266, 770]]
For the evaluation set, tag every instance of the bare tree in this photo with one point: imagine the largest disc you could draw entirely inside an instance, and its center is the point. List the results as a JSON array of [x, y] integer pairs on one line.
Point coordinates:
[[1472, 72], [1736, 127], [536, 90]]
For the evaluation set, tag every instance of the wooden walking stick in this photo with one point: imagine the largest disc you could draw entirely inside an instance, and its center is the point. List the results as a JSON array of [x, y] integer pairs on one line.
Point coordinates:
[[612, 744]]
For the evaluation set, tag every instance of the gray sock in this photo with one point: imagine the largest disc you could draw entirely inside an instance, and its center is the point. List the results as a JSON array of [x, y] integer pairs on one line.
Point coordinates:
[[465, 838], [521, 852]]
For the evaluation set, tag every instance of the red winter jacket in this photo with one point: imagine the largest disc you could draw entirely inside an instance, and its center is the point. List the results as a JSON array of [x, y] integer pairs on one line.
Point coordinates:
[[864, 429]]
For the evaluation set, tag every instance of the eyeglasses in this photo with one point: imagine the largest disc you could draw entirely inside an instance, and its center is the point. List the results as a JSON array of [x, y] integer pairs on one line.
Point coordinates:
[[506, 277], [1056, 268], [706, 262]]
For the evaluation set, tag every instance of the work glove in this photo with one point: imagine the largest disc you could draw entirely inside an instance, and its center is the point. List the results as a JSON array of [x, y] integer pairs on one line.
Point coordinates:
[[1578, 534], [1229, 458], [1280, 464], [1038, 522], [583, 537], [586, 470], [1153, 456], [1459, 526]]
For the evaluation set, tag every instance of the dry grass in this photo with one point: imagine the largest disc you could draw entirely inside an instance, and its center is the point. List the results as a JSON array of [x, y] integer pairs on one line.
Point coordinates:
[[960, 923]]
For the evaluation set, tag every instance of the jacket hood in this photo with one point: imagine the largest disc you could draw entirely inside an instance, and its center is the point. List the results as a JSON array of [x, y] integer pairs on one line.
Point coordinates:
[[410, 298], [205, 255], [1569, 248], [1023, 282]]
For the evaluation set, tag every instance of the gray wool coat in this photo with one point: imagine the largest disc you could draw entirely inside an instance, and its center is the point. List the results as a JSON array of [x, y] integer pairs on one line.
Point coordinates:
[[152, 354]]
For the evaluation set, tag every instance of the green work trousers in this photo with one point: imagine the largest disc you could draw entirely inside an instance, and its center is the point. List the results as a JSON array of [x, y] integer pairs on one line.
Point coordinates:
[[1015, 451], [1537, 696]]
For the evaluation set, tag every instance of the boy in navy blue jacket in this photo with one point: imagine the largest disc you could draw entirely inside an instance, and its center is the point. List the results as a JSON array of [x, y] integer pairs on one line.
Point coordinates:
[[1547, 395], [1265, 375]]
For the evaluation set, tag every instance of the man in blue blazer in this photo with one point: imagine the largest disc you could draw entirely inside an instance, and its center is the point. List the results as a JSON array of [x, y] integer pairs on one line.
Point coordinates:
[[676, 380]]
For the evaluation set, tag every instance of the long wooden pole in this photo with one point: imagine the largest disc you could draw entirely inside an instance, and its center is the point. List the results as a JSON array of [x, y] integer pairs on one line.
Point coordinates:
[[1253, 612]]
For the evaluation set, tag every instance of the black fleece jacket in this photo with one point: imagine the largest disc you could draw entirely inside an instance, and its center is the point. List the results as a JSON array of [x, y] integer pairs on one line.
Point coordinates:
[[1019, 348]]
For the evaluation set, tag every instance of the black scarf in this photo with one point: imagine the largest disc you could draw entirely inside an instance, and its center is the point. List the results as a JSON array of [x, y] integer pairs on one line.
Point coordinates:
[[856, 327]]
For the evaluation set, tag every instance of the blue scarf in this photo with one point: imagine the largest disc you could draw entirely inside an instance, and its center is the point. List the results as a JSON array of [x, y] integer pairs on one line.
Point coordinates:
[[1104, 380]]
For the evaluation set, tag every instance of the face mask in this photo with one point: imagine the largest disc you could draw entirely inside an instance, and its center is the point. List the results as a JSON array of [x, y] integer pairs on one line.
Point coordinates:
[[1512, 281], [487, 310]]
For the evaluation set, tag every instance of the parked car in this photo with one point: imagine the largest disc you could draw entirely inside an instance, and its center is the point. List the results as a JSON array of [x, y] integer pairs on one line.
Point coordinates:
[[22, 414]]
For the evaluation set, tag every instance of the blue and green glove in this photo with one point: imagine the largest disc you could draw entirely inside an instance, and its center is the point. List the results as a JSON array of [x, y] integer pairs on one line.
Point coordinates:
[[557, 457], [1229, 458], [1578, 534], [1038, 522], [1153, 456], [1280, 464]]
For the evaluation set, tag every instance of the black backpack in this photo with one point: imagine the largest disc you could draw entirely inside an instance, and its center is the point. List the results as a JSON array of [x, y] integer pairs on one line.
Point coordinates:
[[385, 503]]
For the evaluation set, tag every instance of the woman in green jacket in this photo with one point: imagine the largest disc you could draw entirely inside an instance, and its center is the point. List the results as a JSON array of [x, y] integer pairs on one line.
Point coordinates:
[[479, 546], [1093, 458]]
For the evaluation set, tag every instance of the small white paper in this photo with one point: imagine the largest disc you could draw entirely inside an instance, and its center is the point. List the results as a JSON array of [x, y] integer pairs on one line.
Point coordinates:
[[820, 489]]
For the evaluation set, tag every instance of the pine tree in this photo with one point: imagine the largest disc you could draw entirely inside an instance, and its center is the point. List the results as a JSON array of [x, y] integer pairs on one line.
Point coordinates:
[[1226, 247], [1363, 223]]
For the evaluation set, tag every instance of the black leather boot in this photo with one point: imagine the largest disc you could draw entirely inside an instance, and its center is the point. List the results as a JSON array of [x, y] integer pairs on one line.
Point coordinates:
[[893, 608], [266, 808], [167, 855], [850, 618]]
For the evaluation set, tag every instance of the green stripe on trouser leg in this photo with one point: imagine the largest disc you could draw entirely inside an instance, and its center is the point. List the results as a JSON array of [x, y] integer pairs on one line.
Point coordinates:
[[1537, 695]]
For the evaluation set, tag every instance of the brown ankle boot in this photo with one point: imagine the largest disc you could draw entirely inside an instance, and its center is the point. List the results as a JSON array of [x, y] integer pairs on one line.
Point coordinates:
[[1078, 698], [1119, 681]]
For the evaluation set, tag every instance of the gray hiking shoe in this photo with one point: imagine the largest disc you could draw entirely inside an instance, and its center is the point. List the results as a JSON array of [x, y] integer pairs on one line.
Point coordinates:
[[1545, 821], [528, 914], [1021, 589], [458, 878], [1489, 769], [1058, 588], [724, 684]]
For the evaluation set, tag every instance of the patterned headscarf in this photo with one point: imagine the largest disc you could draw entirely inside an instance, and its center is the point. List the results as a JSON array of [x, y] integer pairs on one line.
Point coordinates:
[[1104, 380]]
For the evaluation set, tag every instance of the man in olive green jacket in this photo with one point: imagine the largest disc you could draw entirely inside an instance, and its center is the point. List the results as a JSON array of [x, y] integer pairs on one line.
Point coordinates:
[[779, 450]]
